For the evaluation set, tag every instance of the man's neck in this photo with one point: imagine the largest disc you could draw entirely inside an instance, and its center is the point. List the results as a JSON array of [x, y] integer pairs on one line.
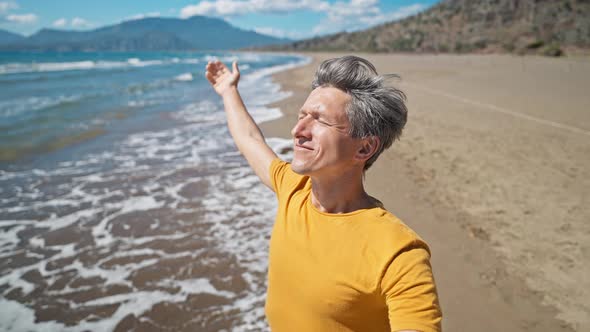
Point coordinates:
[[340, 194]]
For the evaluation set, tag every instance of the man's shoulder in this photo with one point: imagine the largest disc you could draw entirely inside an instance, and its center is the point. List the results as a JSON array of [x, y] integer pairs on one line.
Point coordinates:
[[387, 228], [385, 218]]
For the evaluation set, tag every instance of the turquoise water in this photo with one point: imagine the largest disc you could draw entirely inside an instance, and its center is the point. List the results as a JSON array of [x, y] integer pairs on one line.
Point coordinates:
[[49, 101]]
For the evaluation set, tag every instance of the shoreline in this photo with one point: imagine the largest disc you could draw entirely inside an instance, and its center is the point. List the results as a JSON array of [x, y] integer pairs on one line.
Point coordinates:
[[433, 173]]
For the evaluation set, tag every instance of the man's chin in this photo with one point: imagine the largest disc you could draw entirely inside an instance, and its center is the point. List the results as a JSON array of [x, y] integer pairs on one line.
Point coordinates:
[[298, 167]]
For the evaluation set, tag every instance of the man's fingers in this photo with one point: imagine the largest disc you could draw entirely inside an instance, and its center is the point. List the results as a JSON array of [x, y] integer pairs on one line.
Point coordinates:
[[211, 71], [219, 64], [210, 77], [217, 70]]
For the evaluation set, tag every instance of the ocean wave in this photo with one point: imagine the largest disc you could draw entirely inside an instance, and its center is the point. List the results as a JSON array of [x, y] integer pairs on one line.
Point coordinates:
[[142, 103], [141, 88], [191, 61], [259, 80], [156, 85], [13, 107], [136, 62], [242, 57], [258, 74], [184, 77], [18, 68], [35, 67]]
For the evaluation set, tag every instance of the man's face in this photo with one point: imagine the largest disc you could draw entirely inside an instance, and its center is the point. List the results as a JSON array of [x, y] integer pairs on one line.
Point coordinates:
[[322, 144]]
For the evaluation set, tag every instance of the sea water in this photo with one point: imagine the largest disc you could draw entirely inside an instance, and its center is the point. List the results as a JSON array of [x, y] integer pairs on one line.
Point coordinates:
[[124, 203]]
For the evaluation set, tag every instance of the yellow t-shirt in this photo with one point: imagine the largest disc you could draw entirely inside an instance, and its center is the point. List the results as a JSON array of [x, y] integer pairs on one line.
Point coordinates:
[[358, 271]]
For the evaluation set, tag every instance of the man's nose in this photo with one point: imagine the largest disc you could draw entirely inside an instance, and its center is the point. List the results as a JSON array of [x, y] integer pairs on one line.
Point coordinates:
[[301, 128]]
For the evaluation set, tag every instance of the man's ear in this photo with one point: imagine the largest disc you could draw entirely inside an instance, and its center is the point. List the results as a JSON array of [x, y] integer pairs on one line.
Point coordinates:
[[367, 148]]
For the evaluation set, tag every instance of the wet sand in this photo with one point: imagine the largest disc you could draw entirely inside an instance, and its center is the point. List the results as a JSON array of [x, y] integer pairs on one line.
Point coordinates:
[[493, 172]]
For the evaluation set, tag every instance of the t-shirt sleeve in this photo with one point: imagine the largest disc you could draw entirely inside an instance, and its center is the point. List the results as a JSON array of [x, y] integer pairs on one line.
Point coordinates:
[[410, 292], [278, 172]]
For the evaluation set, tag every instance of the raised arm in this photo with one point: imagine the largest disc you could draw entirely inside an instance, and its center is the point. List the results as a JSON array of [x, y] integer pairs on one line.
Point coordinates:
[[245, 132]]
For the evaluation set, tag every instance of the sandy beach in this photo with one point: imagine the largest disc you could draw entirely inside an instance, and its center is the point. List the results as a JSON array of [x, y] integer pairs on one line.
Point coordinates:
[[493, 172]]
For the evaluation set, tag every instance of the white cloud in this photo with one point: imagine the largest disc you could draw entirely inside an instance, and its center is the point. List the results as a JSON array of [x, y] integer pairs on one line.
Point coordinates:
[[22, 19], [78, 22], [401, 13], [348, 15], [236, 7], [360, 14], [144, 15], [341, 10], [7, 5], [62, 22]]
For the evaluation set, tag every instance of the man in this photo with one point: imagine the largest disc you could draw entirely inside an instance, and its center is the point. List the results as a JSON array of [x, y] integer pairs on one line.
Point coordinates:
[[338, 260]]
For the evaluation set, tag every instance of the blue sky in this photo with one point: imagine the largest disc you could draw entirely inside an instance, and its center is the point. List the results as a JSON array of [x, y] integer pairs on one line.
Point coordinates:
[[283, 18]]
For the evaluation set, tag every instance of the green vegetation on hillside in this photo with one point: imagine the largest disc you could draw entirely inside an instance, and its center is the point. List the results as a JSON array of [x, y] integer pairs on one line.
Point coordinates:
[[466, 26]]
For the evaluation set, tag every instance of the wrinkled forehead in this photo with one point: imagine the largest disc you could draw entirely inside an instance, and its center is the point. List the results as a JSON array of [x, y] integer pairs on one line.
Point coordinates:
[[328, 101]]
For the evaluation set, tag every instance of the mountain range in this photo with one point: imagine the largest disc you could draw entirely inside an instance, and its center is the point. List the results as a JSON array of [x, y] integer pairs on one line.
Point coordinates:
[[545, 27], [148, 34]]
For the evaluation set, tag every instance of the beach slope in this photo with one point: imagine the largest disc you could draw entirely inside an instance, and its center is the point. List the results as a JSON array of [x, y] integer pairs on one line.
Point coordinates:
[[492, 170]]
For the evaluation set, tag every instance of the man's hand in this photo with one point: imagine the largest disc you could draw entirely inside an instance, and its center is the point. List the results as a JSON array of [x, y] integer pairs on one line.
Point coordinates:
[[221, 78]]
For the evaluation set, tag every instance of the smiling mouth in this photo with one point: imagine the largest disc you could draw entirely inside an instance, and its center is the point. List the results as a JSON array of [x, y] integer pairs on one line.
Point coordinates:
[[301, 147]]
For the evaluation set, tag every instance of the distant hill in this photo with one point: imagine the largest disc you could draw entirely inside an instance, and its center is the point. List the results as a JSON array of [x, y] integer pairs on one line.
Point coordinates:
[[148, 34], [9, 37], [523, 26]]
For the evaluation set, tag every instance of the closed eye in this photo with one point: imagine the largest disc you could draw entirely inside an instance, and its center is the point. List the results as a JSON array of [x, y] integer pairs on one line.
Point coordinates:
[[316, 117]]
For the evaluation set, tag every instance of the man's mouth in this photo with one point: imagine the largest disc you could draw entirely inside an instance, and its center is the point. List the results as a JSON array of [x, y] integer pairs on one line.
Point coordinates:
[[302, 147]]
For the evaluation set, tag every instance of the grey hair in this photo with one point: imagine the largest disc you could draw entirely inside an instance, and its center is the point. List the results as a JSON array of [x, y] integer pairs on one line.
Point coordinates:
[[375, 109]]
